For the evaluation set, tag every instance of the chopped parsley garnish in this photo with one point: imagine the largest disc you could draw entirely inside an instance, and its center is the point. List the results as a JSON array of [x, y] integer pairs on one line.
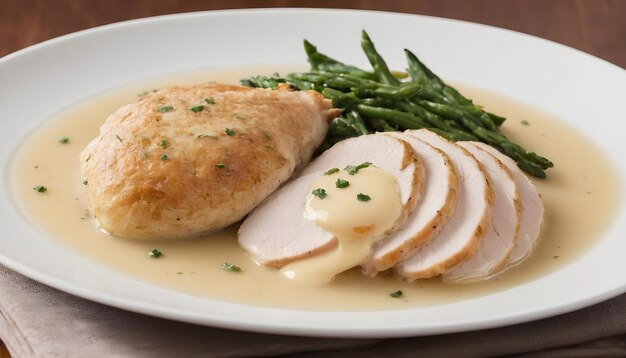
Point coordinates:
[[320, 193], [340, 183], [85, 182], [396, 294], [197, 109], [118, 138], [331, 171], [363, 197], [40, 189], [352, 169], [230, 267], [525, 123], [229, 132], [164, 144], [155, 253], [164, 157], [89, 157], [210, 100], [220, 165], [64, 140], [165, 109]]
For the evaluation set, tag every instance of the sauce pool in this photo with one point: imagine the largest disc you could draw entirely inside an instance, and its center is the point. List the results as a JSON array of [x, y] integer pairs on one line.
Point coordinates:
[[579, 198]]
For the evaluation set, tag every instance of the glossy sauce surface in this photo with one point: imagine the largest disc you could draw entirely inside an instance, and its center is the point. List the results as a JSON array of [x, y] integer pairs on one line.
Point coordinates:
[[358, 209], [579, 196]]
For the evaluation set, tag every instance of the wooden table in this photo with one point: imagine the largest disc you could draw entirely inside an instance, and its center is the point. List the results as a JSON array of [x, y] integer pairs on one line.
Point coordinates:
[[594, 26]]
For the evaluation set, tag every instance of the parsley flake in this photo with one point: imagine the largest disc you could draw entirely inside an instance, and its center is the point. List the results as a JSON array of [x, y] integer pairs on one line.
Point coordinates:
[[64, 140], [165, 109], [363, 197], [118, 138], [320, 193], [85, 182], [220, 165], [197, 109], [229, 132], [525, 123], [40, 189], [396, 294], [210, 100], [340, 183], [155, 253], [331, 171], [352, 169], [164, 157], [230, 267], [164, 144]]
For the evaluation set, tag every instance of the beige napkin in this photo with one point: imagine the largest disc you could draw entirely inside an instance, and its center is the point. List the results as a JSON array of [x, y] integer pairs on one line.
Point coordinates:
[[38, 321]]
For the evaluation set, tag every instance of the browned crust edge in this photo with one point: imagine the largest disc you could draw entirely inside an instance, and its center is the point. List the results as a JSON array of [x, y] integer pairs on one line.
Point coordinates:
[[408, 248], [330, 245]]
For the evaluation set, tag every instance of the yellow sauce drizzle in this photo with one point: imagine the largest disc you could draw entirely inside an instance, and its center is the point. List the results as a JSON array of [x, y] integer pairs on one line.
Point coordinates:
[[356, 224]]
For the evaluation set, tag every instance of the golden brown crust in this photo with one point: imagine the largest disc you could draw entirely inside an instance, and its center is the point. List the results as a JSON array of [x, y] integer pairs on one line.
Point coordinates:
[[158, 173]]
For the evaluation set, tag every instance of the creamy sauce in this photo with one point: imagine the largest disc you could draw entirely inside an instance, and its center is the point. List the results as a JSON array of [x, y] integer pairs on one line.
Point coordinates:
[[357, 209], [580, 197]]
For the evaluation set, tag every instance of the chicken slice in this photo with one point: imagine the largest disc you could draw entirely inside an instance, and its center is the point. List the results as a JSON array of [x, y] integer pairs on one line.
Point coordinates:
[[391, 154], [462, 234], [531, 215], [493, 253], [276, 232], [183, 161], [437, 204]]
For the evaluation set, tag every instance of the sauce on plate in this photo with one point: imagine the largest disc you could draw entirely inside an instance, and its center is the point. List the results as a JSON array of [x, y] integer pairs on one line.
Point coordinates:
[[579, 197]]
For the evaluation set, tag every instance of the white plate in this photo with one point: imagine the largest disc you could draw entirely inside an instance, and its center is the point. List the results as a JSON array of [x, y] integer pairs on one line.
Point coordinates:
[[39, 81]]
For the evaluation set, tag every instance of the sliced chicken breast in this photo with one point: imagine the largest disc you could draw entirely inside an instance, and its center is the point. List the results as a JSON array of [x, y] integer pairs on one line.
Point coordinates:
[[437, 204], [276, 232], [531, 215], [390, 154], [462, 234], [183, 161], [493, 253]]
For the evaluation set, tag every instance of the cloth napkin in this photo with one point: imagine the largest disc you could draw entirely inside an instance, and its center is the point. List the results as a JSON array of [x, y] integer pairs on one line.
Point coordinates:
[[39, 321]]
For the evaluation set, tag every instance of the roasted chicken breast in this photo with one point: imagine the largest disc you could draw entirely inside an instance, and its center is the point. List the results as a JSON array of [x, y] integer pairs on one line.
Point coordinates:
[[183, 161]]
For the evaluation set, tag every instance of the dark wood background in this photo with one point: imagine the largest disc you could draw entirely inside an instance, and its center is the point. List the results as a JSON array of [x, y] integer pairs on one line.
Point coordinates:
[[597, 27], [594, 26]]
